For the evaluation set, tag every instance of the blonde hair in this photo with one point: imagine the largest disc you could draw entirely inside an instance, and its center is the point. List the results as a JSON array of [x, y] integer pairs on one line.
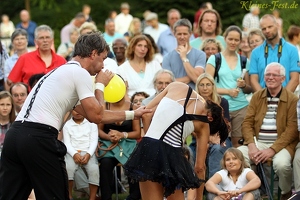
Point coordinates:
[[211, 41], [255, 31], [215, 97], [87, 25], [239, 155], [131, 30]]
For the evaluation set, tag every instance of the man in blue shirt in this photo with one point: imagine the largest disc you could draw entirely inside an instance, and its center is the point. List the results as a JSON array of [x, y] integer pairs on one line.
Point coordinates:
[[186, 62], [274, 49], [167, 41], [28, 25]]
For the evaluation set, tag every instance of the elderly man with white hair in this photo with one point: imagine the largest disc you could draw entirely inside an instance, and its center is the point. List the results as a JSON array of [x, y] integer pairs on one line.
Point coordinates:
[[271, 118]]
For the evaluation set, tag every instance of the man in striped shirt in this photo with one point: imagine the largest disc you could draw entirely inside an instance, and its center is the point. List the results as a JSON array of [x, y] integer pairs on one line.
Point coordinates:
[[271, 118]]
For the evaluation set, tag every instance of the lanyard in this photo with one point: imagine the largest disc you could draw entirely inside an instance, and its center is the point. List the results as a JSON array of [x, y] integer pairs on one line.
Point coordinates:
[[278, 53]]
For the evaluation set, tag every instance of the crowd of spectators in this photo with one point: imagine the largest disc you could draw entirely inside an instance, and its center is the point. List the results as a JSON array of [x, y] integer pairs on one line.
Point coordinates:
[[227, 68]]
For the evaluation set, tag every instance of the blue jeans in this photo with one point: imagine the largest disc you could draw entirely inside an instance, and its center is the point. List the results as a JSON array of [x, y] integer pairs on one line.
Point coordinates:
[[214, 155]]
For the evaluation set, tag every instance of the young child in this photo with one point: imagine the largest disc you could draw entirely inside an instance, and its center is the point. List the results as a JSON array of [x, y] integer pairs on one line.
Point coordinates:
[[81, 138], [136, 100], [235, 181], [138, 97], [7, 114]]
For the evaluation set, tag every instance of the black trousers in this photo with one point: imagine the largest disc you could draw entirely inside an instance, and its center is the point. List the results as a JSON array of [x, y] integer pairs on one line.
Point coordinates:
[[106, 177], [32, 157]]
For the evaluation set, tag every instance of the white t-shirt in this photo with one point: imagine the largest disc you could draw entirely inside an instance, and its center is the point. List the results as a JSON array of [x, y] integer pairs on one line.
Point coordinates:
[[135, 82], [122, 23], [58, 94], [228, 184]]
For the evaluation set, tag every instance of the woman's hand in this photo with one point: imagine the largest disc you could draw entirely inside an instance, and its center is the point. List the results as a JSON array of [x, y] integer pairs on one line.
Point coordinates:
[[241, 83], [233, 92], [224, 195], [214, 139], [115, 136], [234, 193]]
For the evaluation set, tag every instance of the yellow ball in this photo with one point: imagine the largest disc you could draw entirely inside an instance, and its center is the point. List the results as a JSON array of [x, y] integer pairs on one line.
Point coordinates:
[[115, 90]]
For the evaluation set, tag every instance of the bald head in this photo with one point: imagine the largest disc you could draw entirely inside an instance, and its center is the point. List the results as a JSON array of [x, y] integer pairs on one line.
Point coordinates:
[[24, 16]]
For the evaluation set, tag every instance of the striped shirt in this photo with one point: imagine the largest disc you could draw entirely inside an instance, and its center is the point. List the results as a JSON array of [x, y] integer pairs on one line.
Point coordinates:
[[268, 129]]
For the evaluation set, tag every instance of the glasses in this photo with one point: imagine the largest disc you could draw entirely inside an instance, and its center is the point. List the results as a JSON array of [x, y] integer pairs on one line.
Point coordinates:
[[273, 75], [138, 100], [205, 85], [19, 95]]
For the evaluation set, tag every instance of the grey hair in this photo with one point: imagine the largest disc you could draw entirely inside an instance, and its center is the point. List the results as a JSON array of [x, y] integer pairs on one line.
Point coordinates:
[[276, 64], [17, 32], [162, 71], [183, 22], [43, 28], [123, 40], [109, 20]]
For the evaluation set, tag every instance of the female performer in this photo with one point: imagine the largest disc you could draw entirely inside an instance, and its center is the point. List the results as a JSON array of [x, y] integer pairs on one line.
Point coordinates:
[[158, 162]]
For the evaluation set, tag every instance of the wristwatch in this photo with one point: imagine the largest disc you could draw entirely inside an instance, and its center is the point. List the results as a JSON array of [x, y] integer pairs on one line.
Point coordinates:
[[185, 60]]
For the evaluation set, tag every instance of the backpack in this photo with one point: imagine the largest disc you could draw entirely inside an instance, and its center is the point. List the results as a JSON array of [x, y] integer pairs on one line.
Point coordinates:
[[69, 57], [218, 60]]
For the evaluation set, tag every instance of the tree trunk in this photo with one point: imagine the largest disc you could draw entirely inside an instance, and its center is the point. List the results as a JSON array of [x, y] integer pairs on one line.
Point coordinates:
[[27, 5]]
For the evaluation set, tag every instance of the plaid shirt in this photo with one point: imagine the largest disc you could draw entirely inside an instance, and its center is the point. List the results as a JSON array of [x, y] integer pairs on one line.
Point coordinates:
[[250, 21]]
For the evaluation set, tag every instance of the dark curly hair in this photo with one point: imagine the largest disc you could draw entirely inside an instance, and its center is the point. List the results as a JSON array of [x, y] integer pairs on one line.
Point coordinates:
[[218, 124]]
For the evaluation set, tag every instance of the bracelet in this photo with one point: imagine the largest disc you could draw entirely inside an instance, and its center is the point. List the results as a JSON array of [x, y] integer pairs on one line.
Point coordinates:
[[129, 115], [125, 135], [99, 86]]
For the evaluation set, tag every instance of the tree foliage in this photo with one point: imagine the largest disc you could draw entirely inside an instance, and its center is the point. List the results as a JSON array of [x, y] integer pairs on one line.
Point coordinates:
[[57, 13]]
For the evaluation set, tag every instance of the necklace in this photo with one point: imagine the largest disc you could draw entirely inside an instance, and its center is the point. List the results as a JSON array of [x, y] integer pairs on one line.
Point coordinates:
[[141, 67]]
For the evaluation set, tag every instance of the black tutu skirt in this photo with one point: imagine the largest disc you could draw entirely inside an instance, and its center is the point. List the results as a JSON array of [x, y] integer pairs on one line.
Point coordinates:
[[154, 160]]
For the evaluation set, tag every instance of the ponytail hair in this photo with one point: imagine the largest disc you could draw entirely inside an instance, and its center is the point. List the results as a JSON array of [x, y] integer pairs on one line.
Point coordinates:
[[218, 123]]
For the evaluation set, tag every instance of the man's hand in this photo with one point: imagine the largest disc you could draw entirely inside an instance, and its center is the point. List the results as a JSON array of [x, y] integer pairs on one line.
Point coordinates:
[[104, 77], [263, 155], [183, 49], [140, 111], [252, 150]]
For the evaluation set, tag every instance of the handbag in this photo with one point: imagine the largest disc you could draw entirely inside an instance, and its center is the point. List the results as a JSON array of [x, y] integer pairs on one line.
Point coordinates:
[[120, 150]]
